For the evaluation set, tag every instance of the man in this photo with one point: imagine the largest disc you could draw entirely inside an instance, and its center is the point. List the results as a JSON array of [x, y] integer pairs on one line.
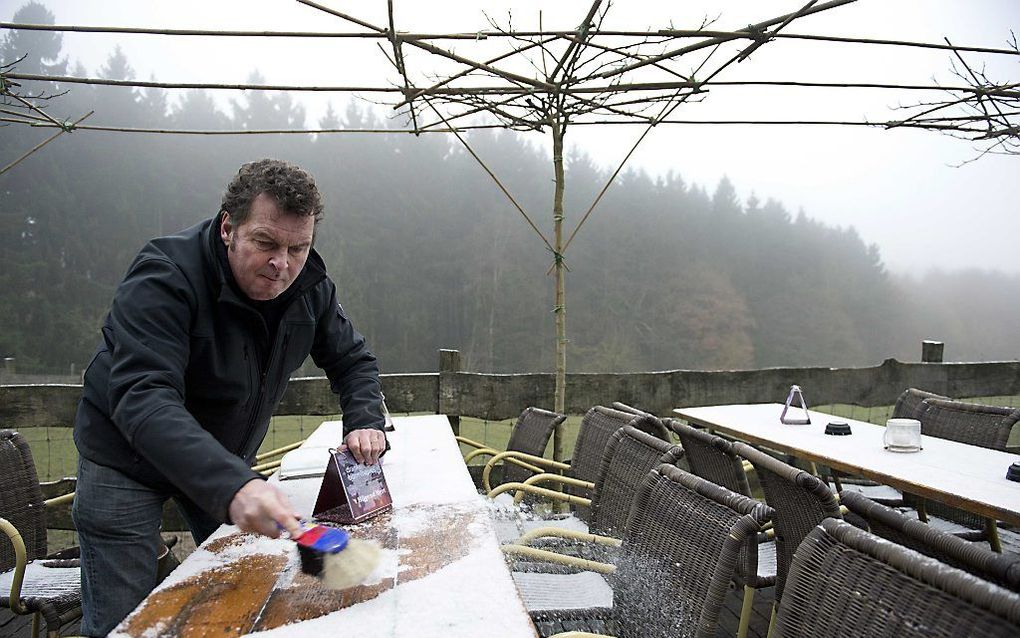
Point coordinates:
[[201, 338]]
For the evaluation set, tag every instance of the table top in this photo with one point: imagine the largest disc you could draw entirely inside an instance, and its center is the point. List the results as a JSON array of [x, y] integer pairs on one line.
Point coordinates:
[[966, 476], [441, 573]]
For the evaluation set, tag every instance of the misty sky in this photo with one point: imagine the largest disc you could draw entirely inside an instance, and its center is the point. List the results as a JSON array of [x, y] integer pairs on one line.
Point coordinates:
[[903, 190]]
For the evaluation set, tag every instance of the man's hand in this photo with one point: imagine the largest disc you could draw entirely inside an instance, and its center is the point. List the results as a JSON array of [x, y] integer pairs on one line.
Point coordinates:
[[367, 445], [259, 507]]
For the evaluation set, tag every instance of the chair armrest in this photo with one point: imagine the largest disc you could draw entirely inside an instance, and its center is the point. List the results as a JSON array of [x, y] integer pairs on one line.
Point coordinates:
[[20, 559], [553, 557], [571, 534], [552, 478], [280, 451], [541, 491], [522, 459], [268, 467], [470, 442], [482, 451], [63, 499]]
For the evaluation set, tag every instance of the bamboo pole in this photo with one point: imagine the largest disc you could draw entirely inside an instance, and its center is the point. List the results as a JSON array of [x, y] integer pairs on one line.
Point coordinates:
[[485, 34], [751, 30], [63, 129], [920, 124], [1004, 90], [560, 309]]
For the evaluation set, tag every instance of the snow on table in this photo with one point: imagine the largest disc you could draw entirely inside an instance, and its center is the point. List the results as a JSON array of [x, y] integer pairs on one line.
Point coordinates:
[[441, 571]]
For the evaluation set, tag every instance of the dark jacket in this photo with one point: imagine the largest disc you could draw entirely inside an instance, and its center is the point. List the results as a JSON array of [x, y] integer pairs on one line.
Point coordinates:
[[180, 391]]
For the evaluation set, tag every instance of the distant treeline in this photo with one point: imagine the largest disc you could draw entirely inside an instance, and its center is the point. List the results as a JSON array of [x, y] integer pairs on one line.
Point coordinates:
[[429, 254]]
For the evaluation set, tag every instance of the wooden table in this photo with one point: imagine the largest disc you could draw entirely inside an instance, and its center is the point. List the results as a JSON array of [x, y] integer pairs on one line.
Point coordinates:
[[965, 476], [441, 573]]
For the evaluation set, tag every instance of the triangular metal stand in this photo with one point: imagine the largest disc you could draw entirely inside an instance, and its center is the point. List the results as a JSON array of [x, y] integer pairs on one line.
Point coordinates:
[[795, 395]]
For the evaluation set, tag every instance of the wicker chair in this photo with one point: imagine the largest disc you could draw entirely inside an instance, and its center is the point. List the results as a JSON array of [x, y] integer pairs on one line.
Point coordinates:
[[800, 500], [530, 435], [629, 456], [623, 407], [974, 424], [713, 459], [847, 583], [30, 581], [597, 427], [684, 536], [910, 404], [1003, 570], [982, 425]]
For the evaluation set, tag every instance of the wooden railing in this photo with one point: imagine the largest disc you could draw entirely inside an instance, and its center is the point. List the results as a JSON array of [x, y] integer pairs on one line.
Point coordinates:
[[457, 393]]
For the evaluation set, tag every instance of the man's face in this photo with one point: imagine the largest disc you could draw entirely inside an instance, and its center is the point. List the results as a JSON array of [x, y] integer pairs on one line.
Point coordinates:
[[268, 251]]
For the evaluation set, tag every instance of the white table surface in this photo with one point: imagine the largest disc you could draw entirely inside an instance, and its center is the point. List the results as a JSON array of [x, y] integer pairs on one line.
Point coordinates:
[[441, 573], [966, 476]]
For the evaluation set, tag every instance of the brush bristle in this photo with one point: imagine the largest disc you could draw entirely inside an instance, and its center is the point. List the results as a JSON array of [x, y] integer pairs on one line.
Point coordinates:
[[311, 560], [351, 566]]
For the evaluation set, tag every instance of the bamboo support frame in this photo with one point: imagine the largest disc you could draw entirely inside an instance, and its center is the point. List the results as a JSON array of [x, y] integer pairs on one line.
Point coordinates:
[[1005, 90], [562, 92], [487, 33], [64, 128]]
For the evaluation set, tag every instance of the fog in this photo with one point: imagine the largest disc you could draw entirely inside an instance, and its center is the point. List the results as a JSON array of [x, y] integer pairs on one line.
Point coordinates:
[[721, 247], [915, 194]]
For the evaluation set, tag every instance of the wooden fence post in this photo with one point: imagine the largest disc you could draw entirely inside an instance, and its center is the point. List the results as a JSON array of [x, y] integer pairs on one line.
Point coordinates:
[[449, 365], [931, 351]]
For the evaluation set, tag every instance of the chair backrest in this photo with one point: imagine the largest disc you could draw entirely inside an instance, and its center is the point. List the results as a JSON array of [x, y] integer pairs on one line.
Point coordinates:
[[629, 457], [800, 500], [909, 404], [679, 554], [597, 426], [1002, 569], [846, 582], [21, 501], [623, 407], [711, 457], [983, 425], [530, 435]]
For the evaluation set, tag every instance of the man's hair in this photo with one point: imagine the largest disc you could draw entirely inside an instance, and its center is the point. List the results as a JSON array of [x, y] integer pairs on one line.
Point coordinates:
[[291, 186]]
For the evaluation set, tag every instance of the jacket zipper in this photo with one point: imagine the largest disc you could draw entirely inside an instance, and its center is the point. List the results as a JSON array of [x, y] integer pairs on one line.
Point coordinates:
[[262, 375]]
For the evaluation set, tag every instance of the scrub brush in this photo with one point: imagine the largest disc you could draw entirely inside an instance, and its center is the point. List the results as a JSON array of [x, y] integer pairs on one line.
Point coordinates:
[[331, 555]]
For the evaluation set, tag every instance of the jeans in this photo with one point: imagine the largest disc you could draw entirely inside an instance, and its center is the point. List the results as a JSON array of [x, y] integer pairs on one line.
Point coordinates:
[[118, 521]]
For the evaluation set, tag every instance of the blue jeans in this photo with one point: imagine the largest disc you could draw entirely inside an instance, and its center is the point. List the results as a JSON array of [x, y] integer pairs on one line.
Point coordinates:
[[118, 520]]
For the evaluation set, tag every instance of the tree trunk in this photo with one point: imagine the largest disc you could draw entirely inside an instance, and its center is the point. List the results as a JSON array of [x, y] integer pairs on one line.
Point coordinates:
[[561, 302]]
